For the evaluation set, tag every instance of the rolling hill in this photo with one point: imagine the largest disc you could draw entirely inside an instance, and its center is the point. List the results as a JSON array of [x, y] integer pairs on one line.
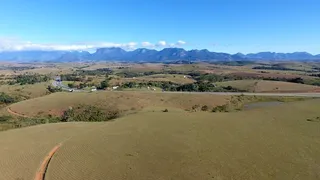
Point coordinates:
[[267, 143]]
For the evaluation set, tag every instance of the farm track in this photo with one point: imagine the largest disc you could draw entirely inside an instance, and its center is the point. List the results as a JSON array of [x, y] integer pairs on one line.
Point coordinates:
[[40, 175], [15, 113]]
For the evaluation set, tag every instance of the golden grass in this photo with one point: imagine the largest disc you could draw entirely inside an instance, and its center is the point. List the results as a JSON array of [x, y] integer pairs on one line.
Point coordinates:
[[269, 86], [56, 103], [174, 78], [23, 150], [26, 91], [265, 143]]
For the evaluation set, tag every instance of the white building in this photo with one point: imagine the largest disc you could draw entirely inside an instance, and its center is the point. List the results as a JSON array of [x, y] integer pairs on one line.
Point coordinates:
[[93, 88]]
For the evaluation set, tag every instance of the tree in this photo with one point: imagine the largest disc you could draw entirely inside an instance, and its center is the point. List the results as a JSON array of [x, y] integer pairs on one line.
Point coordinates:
[[53, 89], [104, 84], [71, 85]]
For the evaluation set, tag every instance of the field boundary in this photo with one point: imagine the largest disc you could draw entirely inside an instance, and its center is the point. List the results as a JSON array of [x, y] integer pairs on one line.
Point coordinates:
[[40, 175], [15, 113]]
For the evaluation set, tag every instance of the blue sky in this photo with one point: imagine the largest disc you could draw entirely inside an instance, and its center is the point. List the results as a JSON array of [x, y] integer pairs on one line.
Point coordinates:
[[218, 25]]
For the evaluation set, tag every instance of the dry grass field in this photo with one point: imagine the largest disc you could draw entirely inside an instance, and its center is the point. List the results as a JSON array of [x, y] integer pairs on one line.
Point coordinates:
[[269, 86], [25, 91], [23, 150], [174, 78], [266, 143], [56, 103]]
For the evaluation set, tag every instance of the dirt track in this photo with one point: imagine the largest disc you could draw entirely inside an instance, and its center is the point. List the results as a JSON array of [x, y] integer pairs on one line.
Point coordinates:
[[15, 113], [43, 168]]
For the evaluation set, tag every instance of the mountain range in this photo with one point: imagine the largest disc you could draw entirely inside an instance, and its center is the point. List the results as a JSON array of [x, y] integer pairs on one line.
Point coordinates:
[[147, 55]]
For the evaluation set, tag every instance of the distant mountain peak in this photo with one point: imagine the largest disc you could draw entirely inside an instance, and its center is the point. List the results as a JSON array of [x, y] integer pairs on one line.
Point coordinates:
[[150, 55]]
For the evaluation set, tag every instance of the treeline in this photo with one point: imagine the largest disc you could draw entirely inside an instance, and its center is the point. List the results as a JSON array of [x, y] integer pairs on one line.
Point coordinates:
[[192, 87], [299, 80], [276, 67], [86, 113], [233, 63], [315, 75], [17, 68], [80, 75], [130, 74], [96, 72], [29, 79]]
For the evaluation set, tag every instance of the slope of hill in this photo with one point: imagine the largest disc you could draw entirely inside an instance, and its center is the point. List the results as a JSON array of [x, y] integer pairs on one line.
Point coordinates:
[[55, 104], [270, 143], [261, 86]]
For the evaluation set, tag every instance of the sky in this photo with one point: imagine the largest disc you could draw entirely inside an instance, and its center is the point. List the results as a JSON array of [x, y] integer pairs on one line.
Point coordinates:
[[230, 26]]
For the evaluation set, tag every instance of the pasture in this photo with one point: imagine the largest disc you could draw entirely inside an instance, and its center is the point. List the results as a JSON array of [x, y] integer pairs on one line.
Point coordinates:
[[56, 103], [261, 86], [264, 143]]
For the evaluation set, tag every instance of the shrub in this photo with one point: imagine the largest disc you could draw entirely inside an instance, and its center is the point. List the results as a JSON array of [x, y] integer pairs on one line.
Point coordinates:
[[166, 110], [89, 113], [204, 108], [222, 108], [52, 89], [195, 107], [5, 118], [4, 98]]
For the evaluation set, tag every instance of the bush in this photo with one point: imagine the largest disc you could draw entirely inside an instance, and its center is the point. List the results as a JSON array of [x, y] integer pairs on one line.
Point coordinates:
[[166, 110], [5, 118], [90, 113], [71, 85], [4, 98], [52, 89], [204, 108], [222, 108]]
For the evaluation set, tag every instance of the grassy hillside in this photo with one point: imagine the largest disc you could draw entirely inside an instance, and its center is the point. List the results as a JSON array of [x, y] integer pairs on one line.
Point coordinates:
[[174, 78], [56, 103], [25, 91], [266, 143], [269, 86]]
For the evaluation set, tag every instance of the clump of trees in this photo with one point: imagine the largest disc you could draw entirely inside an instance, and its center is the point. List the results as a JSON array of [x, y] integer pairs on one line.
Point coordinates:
[[6, 99], [281, 68], [89, 113], [53, 89], [103, 84], [30, 79]]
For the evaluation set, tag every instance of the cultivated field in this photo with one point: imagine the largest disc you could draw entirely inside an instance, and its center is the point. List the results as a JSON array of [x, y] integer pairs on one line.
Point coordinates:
[[265, 143]]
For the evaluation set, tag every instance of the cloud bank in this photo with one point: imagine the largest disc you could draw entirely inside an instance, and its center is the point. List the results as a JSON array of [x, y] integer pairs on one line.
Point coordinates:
[[11, 44]]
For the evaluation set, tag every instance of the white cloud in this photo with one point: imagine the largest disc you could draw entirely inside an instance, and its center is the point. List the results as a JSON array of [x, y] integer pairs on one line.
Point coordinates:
[[161, 43], [147, 44], [13, 44], [180, 43]]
